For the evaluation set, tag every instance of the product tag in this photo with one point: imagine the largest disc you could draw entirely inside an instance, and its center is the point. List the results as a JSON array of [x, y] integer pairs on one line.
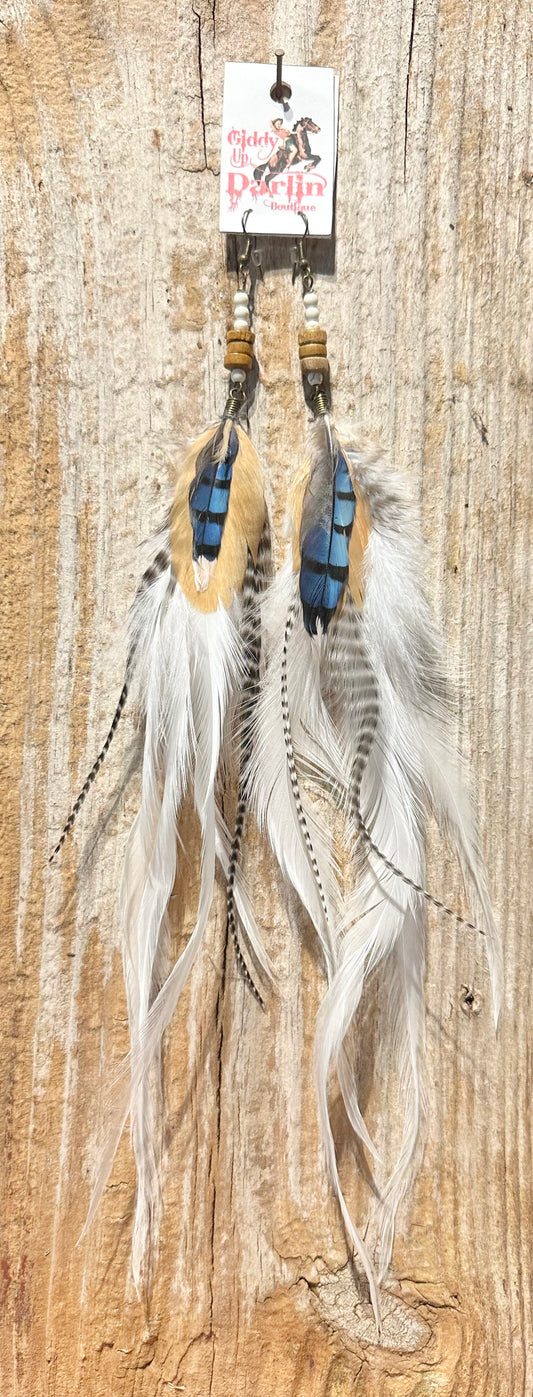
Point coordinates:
[[278, 159]]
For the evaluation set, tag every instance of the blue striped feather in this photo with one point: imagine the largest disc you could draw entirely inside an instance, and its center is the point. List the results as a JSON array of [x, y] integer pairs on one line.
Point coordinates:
[[324, 562], [209, 497]]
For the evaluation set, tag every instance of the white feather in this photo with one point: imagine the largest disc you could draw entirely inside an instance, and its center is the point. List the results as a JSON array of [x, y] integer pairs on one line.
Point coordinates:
[[188, 667], [389, 759], [317, 753], [163, 682], [412, 766], [404, 643]]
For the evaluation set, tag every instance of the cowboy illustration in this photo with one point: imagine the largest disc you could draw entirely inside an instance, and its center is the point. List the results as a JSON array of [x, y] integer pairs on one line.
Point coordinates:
[[293, 146]]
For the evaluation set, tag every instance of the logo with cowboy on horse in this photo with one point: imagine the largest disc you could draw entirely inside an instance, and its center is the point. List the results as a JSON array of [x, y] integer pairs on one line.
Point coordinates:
[[281, 157], [293, 147], [278, 153]]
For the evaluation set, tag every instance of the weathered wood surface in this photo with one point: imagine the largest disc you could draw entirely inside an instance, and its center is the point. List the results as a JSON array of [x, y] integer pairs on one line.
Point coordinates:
[[113, 301]]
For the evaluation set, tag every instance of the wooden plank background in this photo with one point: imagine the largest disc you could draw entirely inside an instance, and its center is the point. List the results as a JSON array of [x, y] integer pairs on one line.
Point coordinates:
[[114, 292]]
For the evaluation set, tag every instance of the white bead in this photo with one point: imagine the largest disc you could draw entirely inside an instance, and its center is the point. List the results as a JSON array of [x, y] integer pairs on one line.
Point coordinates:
[[310, 298], [315, 379], [241, 298], [311, 316], [240, 323], [237, 375]]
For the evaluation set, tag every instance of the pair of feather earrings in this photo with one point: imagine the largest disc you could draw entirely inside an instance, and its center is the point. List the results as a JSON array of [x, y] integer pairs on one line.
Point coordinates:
[[326, 680]]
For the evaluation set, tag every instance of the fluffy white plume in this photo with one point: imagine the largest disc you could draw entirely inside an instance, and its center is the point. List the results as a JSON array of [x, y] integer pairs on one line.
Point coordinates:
[[406, 653], [193, 663], [187, 670], [366, 718]]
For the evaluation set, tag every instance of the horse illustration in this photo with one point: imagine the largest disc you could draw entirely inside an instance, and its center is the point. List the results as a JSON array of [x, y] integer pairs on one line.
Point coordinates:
[[294, 149]]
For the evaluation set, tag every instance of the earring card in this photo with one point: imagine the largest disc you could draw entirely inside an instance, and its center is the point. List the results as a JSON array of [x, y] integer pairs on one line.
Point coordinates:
[[278, 159]]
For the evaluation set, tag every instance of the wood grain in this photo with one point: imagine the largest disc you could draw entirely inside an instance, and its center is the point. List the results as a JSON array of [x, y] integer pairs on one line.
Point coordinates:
[[112, 275]]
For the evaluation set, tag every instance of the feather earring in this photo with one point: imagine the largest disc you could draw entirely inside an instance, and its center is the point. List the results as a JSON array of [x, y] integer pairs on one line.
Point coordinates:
[[355, 707], [193, 661]]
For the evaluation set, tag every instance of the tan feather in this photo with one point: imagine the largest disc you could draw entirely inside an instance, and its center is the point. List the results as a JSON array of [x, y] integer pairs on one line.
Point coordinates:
[[242, 530], [360, 531], [358, 542], [296, 500]]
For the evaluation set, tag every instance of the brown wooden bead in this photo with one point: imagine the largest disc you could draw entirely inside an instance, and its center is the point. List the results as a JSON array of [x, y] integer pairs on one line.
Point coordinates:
[[317, 351], [240, 347], [312, 336], [314, 365], [247, 335], [233, 360]]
